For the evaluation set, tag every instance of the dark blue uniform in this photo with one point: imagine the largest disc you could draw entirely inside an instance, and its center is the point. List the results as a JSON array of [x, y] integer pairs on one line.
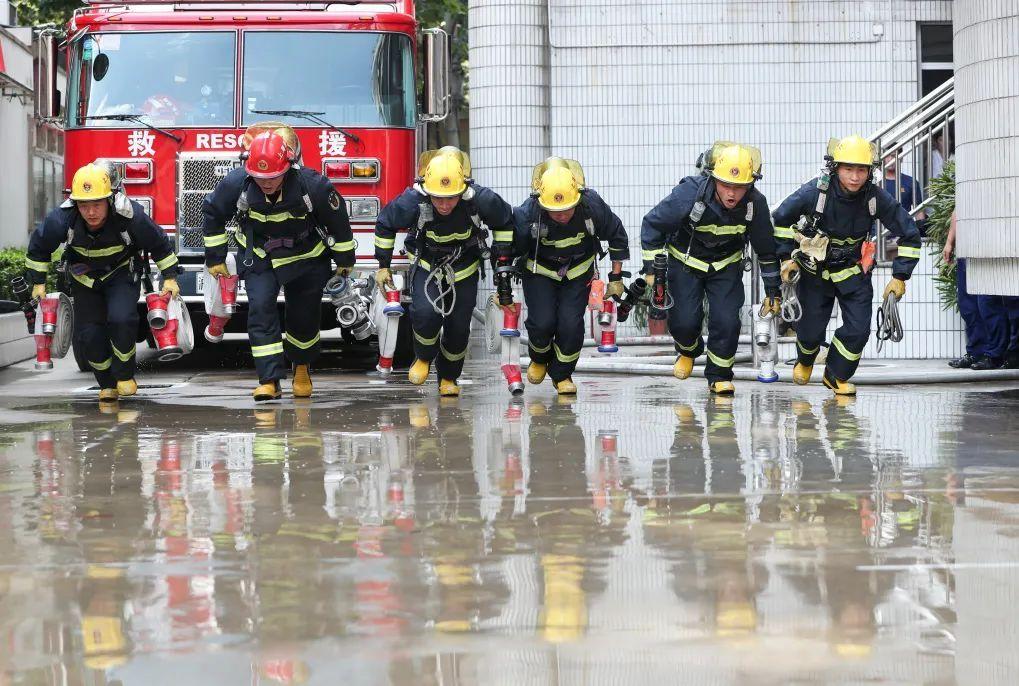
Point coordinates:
[[706, 256], [434, 242], [101, 272], [559, 263], [281, 244], [847, 221]]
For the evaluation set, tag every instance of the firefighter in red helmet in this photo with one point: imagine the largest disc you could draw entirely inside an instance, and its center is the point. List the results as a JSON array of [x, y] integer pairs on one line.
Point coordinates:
[[292, 222]]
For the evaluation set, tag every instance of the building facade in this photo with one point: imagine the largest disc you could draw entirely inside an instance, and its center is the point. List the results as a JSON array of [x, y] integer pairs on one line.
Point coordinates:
[[635, 91]]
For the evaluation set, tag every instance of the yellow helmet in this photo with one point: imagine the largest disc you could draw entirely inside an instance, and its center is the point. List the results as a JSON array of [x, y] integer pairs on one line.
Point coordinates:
[[737, 165], [559, 190], [853, 150], [551, 163], [444, 176], [91, 182]]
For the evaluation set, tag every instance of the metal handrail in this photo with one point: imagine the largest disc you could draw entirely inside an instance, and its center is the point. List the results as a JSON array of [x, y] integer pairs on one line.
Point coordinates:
[[918, 105]]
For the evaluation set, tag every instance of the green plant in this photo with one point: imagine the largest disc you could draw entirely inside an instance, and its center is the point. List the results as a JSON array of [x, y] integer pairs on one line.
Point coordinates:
[[12, 263], [939, 220]]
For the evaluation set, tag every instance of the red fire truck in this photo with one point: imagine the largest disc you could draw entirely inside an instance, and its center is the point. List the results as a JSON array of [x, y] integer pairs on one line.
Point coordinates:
[[166, 91]]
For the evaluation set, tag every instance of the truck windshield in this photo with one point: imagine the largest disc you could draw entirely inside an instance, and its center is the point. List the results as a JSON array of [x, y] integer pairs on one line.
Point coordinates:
[[170, 79], [350, 78]]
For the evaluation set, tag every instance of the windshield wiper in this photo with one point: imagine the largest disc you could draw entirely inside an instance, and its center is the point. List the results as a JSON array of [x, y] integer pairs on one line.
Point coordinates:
[[137, 119], [310, 116]]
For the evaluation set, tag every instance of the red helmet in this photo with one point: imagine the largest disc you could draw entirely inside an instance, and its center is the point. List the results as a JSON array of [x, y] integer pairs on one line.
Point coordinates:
[[268, 156]]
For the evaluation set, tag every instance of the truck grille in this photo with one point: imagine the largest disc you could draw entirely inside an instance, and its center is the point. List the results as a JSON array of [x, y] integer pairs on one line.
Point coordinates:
[[197, 175]]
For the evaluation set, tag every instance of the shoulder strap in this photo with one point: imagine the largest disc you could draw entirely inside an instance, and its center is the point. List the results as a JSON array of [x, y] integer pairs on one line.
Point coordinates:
[[426, 213], [872, 202]]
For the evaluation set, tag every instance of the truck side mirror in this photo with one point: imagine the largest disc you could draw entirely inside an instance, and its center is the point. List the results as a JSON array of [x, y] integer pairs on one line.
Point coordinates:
[[47, 97], [437, 100]]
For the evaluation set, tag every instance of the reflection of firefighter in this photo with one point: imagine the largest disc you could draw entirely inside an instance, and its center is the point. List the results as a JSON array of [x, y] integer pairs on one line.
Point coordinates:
[[104, 245], [462, 592], [444, 213], [566, 536], [559, 233], [292, 222], [707, 533], [840, 207], [705, 225]]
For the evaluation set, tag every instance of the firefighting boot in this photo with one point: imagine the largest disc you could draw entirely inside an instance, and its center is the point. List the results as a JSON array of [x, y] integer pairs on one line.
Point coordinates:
[[722, 387], [302, 382], [126, 388], [838, 386], [267, 391], [801, 373], [684, 365], [448, 389], [418, 373], [536, 373], [566, 387], [108, 395]]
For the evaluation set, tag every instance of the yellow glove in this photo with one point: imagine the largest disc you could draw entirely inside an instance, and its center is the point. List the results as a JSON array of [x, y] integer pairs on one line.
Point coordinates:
[[384, 278], [789, 270], [614, 288], [219, 270], [771, 305], [649, 279], [170, 286], [38, 291], [896, 286], [344, 271]]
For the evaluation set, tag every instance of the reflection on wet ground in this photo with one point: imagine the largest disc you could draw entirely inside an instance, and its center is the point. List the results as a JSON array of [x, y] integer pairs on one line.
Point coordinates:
[[641, 532]]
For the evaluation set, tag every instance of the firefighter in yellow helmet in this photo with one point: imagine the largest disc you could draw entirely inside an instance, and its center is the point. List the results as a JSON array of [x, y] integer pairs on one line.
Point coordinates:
[[104, 243], [559, 232], [836, 212], [447, 216], [700, 231]]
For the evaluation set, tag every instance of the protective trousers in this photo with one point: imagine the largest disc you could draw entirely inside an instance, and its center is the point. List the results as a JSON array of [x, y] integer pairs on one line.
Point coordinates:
[[985, 318], [817, 298], [453, 328], [724, 289], [303, 314], [106, 326], [555, 321]]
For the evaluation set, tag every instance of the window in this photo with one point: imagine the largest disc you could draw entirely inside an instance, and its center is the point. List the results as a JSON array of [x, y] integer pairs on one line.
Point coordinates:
[[171, 79], [349, 78]]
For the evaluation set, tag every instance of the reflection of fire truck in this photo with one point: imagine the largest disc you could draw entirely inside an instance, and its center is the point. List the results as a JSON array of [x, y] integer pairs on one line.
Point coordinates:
[[167, 90]]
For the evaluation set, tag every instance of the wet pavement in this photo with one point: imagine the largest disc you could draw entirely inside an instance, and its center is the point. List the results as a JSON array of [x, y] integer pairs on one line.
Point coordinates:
[[641, 533]]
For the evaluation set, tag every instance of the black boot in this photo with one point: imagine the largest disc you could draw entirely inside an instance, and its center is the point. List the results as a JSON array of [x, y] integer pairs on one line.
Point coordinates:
[[985, 363], [964, 362]]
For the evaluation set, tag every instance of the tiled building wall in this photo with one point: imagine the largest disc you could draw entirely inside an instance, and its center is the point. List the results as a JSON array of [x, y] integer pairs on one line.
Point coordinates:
[[987, 125], [635, 95]]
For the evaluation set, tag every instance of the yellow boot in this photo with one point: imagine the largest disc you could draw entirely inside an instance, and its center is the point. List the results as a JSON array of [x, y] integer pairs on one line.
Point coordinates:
[[566, 387], [302, 382], [722, 388], [801, 373], [838, 386], [267, 391], [536, 373], [418, 373], [108, 395], [126, 388], [448, 389], [684, 365]]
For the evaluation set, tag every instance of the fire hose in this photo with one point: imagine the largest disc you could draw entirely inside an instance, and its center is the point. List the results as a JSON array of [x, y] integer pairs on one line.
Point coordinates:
[[791, 308], [889, 325], [444, 277]]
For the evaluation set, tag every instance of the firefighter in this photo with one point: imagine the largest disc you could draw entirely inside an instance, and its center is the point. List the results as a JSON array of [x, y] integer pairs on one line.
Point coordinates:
[[104, 240], [704, 225], [291, 223], [443, 213], [839, 208], [558, 233]]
